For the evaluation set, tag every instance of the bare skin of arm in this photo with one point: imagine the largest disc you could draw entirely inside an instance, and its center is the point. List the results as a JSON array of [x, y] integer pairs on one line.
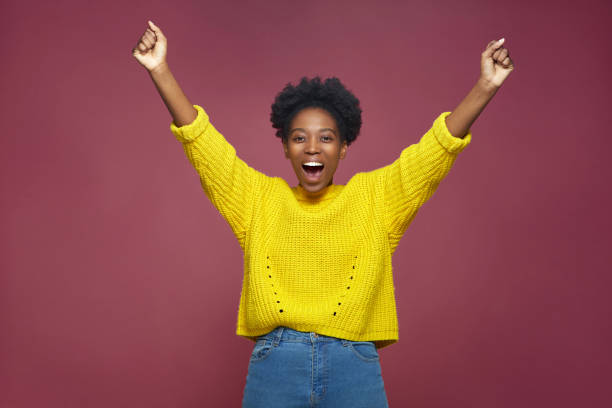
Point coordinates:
[[178, 105], [150, 52], [496, 65]]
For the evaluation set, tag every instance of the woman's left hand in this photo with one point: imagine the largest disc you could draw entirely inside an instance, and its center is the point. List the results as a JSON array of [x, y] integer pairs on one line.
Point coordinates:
[[495, 64]]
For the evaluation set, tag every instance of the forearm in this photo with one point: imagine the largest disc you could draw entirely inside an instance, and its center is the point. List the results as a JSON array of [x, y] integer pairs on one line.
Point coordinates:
[[178, 105], [464, 115]]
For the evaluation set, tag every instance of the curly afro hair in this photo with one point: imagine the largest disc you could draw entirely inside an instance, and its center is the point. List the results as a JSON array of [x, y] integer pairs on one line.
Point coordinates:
[[330, 95]]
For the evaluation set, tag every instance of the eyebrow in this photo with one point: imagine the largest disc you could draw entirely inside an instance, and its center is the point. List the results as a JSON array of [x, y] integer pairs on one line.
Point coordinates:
[[320, 130]]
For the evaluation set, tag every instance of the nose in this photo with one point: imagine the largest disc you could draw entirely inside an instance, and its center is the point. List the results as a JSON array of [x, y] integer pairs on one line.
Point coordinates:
[[312, 146]]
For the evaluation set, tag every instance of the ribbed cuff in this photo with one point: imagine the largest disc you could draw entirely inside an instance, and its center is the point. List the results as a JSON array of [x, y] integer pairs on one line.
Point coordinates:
[[189, 132], [449, 142]]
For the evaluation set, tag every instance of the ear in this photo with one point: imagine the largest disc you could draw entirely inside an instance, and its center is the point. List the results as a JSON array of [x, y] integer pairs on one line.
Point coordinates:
[[343, 148], [285, 149]]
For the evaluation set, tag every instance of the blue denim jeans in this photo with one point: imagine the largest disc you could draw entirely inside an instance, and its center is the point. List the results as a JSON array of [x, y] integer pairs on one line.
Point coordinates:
[[293, 369]]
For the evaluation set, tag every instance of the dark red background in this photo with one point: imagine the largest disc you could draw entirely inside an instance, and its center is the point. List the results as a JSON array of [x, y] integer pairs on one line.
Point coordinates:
[[120, 282]]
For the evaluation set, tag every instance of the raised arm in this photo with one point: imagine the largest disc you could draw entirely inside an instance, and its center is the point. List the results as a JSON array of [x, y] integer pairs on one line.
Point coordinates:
[[230, 184], [151, 52], [414, 177], [495, 66]]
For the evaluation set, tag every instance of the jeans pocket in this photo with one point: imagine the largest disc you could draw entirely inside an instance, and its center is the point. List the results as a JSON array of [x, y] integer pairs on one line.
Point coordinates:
[[365, 350], [261, 350]]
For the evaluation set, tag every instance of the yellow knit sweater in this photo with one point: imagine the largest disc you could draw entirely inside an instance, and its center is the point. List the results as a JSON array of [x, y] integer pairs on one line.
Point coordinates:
[[321, 265]]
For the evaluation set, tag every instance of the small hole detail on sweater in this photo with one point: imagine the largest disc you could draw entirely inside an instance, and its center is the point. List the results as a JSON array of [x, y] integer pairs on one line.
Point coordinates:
[[351, 277], [270, 272]]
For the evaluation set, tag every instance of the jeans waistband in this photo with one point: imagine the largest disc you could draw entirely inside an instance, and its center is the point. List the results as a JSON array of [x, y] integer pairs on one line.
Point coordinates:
[[283, 333]]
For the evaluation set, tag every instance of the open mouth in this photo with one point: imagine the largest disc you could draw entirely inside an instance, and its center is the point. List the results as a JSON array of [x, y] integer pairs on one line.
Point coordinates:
[[312, 173]]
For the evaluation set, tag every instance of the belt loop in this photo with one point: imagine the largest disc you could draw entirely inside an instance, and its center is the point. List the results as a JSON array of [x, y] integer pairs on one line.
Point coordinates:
[[277, 336], [344, 342]]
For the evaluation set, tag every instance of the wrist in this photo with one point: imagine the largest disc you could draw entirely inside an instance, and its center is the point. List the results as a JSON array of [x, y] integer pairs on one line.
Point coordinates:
[[486, 86], [159, 69]]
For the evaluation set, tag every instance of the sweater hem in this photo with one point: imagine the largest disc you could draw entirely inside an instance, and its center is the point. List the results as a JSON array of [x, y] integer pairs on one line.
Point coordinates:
[[451, 143], [189, 132]]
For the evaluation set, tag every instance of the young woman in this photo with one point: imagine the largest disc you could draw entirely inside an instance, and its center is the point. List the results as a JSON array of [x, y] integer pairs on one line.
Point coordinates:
[[318, 297]]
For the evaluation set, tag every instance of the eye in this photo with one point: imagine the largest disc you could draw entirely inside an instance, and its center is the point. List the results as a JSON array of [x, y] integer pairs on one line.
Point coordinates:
[[327, 138], [297, 139]]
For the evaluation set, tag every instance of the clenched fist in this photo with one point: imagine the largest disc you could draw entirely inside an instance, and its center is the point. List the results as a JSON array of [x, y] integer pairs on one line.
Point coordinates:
[[152, 48], [495, 63]]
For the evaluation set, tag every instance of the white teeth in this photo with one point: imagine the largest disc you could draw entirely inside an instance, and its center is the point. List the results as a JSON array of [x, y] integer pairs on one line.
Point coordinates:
[[313, 164]]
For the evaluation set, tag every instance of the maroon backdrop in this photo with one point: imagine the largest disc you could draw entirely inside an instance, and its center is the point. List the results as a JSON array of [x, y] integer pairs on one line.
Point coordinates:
[[120, 282]]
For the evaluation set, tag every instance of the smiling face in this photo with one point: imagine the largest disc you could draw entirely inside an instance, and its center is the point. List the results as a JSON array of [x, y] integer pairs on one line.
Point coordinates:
[[313, 137]]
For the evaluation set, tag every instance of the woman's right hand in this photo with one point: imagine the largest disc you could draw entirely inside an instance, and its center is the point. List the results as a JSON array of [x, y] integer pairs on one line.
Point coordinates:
[[152, 48]]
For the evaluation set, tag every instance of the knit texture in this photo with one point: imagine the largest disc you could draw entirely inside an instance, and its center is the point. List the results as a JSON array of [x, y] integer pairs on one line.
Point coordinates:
[[323, 264]]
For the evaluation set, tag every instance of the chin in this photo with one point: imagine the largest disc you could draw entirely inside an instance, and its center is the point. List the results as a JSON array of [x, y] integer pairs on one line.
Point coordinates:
[[315, 187], [312, 188]]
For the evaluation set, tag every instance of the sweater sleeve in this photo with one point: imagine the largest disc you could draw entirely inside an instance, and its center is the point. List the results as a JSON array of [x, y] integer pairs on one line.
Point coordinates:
[[227, 180], [414, 177]]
